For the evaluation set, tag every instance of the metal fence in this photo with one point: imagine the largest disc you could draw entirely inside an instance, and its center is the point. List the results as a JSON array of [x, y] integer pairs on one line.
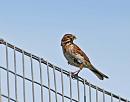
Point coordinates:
[[25, 77]]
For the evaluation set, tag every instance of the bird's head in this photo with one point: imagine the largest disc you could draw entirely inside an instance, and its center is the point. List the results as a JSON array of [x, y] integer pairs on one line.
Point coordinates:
[[67, 38]]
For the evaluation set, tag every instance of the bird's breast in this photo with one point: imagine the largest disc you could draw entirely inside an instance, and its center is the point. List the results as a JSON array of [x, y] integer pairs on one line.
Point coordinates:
[[72, 58]]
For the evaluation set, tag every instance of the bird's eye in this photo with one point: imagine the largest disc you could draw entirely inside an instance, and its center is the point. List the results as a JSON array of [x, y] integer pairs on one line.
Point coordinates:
[[68, 37]]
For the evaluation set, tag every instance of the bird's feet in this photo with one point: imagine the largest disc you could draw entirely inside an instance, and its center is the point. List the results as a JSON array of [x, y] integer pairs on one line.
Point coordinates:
[[74, 75]]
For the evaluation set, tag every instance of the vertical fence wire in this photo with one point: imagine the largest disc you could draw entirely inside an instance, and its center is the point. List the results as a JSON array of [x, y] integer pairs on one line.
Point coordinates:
[[70, 87], [119, 99], [78, 90], [96, 94], [62, 84], [41, 81], [90, 100], [84, 90], [111, 97], [15, 71], [55, 84], [32, 75], [23, 65], [103, 95], [7, 66], [48, 75]]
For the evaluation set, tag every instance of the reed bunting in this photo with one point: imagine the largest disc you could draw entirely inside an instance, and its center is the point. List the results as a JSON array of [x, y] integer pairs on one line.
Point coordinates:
[[76, 57]]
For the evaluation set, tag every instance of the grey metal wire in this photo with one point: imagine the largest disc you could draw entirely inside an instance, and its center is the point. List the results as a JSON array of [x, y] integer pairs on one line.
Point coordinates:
[[90, 100], [70, 87], [48, 75], [78, 90], [103, 95], [15, 70], [33, 93], [41, 84], [11, 99], [51, 90], [41, 81], [96, 94], [23, 65], [7, 66], [62, 83], [84, 90], [111, 97], [55, 84], [119, 99]]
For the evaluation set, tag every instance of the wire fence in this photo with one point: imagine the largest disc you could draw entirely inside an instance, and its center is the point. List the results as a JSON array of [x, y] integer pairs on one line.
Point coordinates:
[[25, 77]]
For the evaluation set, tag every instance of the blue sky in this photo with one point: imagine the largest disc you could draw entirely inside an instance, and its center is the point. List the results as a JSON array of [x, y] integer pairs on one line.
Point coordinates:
[[102, 28]]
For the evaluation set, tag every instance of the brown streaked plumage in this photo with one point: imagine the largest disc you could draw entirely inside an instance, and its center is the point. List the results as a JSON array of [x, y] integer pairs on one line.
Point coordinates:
[[76, 57]]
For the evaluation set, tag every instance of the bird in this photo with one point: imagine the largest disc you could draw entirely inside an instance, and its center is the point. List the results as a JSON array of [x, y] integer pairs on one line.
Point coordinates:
[[76, 57]]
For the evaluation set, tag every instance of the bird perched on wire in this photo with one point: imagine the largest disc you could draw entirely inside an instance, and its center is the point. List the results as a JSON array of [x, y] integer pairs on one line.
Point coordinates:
[[77, 57]]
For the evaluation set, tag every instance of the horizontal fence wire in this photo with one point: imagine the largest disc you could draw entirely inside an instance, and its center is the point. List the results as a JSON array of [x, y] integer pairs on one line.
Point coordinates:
[[23, 73]]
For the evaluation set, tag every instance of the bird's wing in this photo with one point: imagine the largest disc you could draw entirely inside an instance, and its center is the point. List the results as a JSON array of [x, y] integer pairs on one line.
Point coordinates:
[[77, 50]]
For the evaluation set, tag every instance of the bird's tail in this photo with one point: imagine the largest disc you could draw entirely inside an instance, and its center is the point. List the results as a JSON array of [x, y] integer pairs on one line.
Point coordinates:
[[99, 74]]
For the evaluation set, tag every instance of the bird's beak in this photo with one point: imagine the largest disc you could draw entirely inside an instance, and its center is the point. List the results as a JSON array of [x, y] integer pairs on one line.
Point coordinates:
[[61, 44], [74, 37]]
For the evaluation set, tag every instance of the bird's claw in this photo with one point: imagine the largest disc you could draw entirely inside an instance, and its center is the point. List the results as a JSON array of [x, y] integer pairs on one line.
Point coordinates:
[[74, 75]]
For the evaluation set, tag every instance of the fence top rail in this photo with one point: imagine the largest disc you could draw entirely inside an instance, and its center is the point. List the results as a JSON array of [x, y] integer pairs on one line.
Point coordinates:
[[2, 41]]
